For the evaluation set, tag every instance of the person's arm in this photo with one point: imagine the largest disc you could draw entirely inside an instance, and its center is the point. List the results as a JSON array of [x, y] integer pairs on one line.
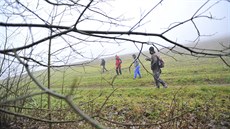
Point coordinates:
[[148, 59], [120, 61]]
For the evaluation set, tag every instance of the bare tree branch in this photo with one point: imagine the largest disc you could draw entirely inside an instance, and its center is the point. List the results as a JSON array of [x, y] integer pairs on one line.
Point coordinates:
[[67, 98]]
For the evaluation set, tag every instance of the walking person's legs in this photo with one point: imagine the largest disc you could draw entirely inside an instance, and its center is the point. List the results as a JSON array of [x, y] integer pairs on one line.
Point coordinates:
[[117, 71], [120, 70], [158, 80], [155, 76], [103, 69], [137, 72], [162, 82]]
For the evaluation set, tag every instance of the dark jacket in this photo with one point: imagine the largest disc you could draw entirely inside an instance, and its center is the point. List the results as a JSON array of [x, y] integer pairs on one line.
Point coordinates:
[[154, 61], [102, 62]]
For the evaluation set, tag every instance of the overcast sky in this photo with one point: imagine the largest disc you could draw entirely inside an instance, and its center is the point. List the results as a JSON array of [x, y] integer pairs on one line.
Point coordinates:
[[168, 12], [171, 11], [164, 15]]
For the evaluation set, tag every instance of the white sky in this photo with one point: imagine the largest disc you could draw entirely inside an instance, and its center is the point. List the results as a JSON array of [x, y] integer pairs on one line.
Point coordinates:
[[168, 12], [171, 11]]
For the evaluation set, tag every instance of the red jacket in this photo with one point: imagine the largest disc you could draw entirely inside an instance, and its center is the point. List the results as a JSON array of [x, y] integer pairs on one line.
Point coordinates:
[[118, 62]]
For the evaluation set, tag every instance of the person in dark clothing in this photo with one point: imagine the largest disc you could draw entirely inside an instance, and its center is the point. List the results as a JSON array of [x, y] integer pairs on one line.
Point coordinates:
[[156, 68], [103, 65], [118, 65], [137, 67]]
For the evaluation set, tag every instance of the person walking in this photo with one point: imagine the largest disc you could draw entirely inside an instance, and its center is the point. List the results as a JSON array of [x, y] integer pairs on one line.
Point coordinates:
[[118, 65], [156, 68], [137, 67], [103, 65]]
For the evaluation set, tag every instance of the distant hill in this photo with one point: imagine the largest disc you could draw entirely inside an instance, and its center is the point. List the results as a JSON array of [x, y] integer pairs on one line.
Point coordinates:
[[211, 46], [217, 44]]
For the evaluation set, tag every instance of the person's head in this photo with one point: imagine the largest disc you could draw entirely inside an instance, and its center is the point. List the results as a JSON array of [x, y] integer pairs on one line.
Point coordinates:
[[151, 50], [134, 56], [117, 57]]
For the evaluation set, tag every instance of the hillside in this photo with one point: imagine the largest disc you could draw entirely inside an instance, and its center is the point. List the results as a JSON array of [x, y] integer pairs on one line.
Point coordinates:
[[197, 96], [214, 46], [217, 44]]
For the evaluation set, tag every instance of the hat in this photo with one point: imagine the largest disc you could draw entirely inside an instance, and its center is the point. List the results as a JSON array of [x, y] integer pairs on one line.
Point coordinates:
[[151, 50], [134, 56]]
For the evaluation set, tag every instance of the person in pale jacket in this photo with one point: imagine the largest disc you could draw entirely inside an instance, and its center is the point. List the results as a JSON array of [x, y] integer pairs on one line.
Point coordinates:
[[137, 67]]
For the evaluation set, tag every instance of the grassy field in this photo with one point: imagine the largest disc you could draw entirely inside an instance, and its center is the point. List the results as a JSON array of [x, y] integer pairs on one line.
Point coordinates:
[[184, 70], [198, 95]]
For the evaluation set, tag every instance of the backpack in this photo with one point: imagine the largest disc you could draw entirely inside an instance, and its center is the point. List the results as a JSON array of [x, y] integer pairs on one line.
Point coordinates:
[[160, 62]]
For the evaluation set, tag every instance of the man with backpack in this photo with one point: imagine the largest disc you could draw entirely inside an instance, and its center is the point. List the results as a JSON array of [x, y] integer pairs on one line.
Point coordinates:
[[156, 65]]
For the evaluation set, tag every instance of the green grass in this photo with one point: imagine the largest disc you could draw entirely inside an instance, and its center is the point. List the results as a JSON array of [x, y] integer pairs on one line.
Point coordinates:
[[185, 71], [199, 89], [148, 104]]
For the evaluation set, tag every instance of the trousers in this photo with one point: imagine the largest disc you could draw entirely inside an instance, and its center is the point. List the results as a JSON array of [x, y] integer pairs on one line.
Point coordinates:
[[158, 80], [137, 72]]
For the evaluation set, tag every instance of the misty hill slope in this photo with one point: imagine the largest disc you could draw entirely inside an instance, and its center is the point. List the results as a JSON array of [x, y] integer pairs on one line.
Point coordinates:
[[216, 44], [219, 45], [176, 68], [211, 45]]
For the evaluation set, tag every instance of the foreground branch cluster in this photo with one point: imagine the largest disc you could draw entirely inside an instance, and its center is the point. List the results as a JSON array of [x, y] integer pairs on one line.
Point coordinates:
[[33, 39]]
